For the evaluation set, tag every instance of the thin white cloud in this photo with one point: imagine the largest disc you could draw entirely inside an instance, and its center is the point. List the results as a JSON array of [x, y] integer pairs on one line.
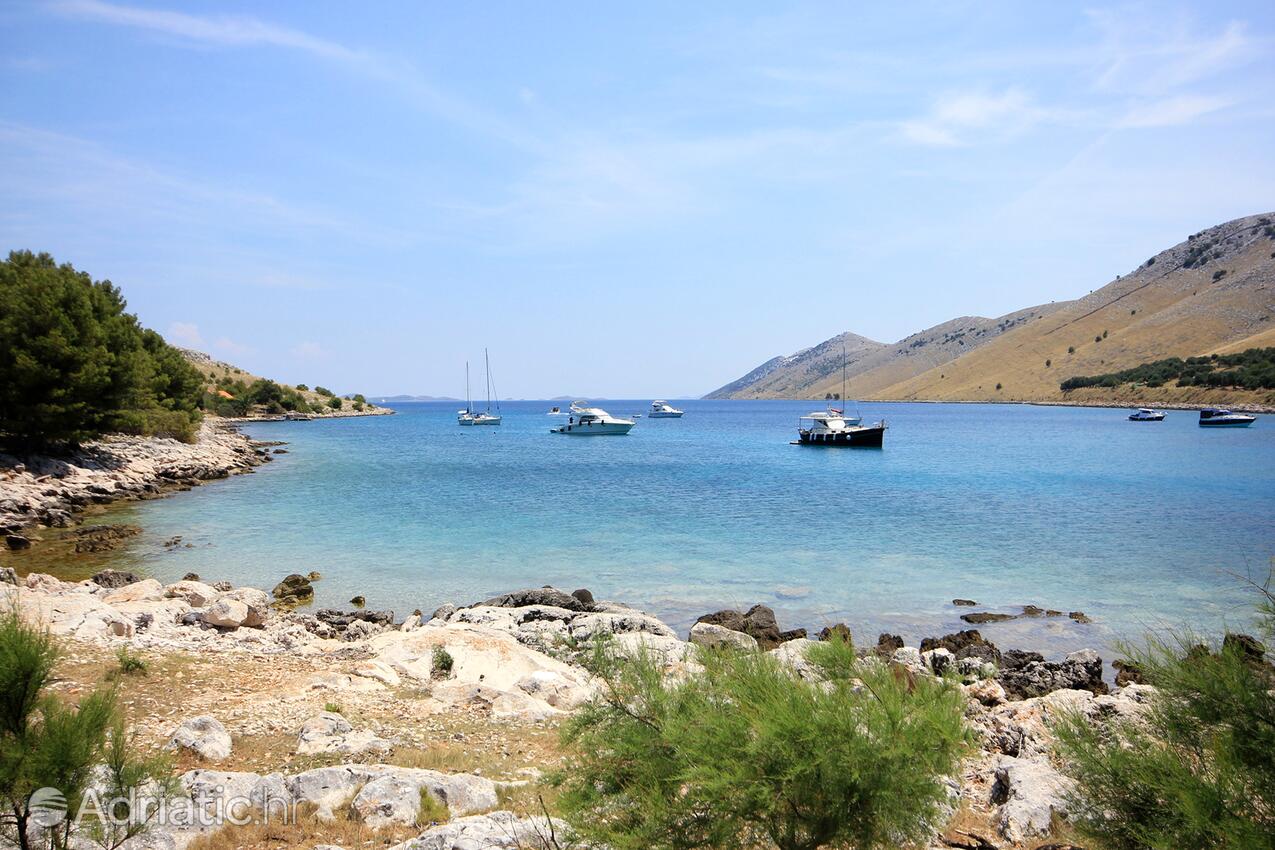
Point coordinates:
[[1173, 111], [185, 334], [1146, 51], [964, 117], [233, 31]]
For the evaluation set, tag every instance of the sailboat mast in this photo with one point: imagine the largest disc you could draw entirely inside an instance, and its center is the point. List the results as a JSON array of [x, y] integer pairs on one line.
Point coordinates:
[[843, 376], [468, 405], [487, 363]]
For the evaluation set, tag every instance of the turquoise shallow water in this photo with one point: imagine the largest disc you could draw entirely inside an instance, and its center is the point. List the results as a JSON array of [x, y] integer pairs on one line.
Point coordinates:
[[1135, 524]]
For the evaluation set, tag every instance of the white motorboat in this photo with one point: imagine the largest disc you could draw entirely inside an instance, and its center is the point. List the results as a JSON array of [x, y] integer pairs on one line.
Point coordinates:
[[664, 410], [585, 421], [1146, 414], [469, 416], [556, 411], [1217, 417]]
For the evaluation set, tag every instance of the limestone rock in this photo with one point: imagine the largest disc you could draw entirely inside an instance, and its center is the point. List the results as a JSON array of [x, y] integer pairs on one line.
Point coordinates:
[[204, 736], [1029, 675], [146, 590], [965, 644], [331, 733], [195, 593], [1029, 793], [539, 596], [713, 637], [226, 614], [388, 800], [115, 579], [502, 830]]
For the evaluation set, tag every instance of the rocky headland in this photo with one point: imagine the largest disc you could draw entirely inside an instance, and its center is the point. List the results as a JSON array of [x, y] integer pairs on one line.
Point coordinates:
[[54, 491], [364, 715]]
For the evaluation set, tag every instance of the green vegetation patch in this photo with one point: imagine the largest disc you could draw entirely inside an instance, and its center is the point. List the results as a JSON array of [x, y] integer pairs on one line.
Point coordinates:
[[1252, 369], [74, 365]]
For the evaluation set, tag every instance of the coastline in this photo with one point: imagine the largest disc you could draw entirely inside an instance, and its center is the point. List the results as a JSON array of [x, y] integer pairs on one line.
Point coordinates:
[[312, 700], [42, 491]]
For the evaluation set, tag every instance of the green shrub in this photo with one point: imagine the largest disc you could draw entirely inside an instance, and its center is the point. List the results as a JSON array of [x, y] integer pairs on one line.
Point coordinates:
[[441, 662], [1071, 349], [302, 387], [129, 662], [746, 754], [334, 403], [1048, 363], [1198, 770], [998, 386], [324, 391], [431, 811], [332, 707], [47, 743], [1252, 369]]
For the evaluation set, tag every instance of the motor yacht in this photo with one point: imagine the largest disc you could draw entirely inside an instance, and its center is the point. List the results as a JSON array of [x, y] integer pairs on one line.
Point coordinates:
[[1217, 417], [1146, 414], [664, 410], [585, 421], [832, 427]]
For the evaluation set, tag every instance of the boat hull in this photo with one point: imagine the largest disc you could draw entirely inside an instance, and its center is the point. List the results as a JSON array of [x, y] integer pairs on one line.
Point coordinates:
[[653, 415], [1146, 418], [1239, 423], [871, 437]]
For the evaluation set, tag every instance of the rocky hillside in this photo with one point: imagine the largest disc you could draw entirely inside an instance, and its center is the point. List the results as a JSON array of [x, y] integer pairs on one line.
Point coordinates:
[[1213, 292], [232, 382]]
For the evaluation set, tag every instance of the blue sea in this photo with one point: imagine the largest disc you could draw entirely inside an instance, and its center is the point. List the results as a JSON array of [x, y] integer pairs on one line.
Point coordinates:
[[1138, 525]]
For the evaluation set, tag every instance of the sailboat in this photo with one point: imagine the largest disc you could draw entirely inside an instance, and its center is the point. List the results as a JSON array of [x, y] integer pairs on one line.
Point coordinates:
[[469, 416]]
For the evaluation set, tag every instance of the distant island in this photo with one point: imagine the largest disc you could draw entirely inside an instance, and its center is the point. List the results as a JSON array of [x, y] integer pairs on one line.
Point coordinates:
[[1212, 294]]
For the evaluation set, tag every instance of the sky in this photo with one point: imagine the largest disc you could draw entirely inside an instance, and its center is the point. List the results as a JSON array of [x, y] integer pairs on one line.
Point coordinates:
[[625, 200]]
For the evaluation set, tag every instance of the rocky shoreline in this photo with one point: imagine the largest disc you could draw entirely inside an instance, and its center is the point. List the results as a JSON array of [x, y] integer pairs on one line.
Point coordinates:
[[512, 662], [53, 492]]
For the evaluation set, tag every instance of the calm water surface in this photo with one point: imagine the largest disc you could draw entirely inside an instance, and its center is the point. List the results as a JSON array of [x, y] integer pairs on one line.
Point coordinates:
[[1135, 524]]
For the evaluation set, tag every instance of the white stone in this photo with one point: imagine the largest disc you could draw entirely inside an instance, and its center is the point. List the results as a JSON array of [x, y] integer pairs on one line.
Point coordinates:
[[714, 636], [146, 590], [1033, 792], [226, 614], [204, 736], [258, 602], [195, 593], [493, 831], [792, 654], [331, 733], [909, 657], [380, 671]]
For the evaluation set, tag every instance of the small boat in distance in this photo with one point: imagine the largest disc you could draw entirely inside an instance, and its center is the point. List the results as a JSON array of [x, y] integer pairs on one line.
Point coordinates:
[[664, 410], [556, 411], [469, 416], [1146, 414], [1217, 417], [584, 421]]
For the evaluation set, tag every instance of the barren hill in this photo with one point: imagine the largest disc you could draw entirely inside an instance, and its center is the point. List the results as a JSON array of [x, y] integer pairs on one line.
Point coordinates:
[[1213, 292]]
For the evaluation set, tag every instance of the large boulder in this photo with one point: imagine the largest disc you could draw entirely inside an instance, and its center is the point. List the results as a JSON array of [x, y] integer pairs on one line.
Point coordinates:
[[195, 593], [502, 830], [331, 733], [965, 644], [1027, 674], [146, 590], [385, 794], [713, 636], [1030, 794], [758, 622], [539, 596], [115, 579], [257, 603], [204, 736], [388, 800], [226, 614], [294, 589]]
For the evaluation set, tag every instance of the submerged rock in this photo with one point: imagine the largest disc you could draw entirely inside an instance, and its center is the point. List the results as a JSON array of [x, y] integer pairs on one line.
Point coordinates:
[[981, 617], [758, 623], [538, 596], [293, 589]]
